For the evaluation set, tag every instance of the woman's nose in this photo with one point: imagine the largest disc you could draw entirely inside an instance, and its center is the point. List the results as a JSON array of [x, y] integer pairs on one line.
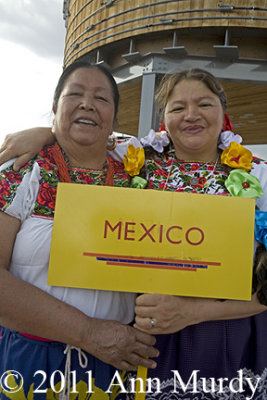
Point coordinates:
[[87, 103], [191, 113]]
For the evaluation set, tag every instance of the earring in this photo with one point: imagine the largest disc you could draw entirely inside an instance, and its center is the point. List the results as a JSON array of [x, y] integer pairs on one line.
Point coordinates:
[[112, 143]]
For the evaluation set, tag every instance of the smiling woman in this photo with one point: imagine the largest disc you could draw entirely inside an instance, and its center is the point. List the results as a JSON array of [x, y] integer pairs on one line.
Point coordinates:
[[84, 115], [197, 155], [58, 322], [192, 106], [194, 116]]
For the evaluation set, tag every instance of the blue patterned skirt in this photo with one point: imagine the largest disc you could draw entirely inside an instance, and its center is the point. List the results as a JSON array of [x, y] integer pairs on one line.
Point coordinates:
[[35, 369]]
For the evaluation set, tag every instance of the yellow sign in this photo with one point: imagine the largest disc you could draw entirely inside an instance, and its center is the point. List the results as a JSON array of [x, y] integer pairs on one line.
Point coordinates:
[[149, 241]]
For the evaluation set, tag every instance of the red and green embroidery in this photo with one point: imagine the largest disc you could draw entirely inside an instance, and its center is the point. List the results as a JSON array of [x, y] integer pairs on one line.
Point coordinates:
[[165, 171], [45, 203]]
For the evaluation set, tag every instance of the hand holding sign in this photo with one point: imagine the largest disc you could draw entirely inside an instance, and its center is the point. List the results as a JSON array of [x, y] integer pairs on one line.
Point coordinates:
[[170, 313]]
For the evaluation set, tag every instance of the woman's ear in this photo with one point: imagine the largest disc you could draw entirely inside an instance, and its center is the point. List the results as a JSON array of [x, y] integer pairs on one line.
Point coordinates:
[[53, 127]]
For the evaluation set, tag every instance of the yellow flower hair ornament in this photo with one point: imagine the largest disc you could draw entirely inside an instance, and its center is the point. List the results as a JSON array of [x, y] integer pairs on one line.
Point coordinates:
[[134, 160], [237, 156]]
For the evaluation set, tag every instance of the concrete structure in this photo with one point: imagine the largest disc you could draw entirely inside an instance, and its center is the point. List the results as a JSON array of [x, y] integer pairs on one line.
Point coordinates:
[[141, 40]]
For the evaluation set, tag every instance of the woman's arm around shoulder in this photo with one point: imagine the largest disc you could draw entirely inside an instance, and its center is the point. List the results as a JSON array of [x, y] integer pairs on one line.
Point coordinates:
[[24, 145]]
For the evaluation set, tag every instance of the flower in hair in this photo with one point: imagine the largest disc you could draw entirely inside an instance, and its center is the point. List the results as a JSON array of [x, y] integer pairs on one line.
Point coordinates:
[[134, 160], [237, 156], [240, 183], [227, 137], [261, 227], [227, 123], [156, 140]]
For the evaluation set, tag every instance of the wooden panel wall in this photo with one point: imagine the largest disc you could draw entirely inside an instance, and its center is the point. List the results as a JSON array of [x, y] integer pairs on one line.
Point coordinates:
[[128, 115], [92, 23], [247, 107]]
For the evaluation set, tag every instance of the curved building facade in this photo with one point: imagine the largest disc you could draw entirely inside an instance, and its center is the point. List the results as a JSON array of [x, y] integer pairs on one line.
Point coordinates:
[[141, 40]]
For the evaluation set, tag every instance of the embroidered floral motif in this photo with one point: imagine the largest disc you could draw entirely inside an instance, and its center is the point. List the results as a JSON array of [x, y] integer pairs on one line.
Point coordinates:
[[47, 196], [45, 203], [179, 175]]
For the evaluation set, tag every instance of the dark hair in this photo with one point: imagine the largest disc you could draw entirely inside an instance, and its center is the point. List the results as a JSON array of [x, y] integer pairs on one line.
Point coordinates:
[[85, 64], [170, 81]]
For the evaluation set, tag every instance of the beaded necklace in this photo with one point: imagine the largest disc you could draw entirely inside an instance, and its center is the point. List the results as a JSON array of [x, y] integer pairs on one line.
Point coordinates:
[[63, 171]]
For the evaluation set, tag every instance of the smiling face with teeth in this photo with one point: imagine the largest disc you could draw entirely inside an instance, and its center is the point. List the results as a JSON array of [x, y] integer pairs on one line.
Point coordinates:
[[84, 115]]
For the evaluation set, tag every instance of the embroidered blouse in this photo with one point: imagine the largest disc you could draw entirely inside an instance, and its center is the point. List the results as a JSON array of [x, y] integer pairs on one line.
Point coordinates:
[[29, 195], [45, 202], [165, 172]]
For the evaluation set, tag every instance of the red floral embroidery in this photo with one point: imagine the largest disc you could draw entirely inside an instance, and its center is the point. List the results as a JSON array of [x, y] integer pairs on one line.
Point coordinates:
[[210, 167], [86, 179], [201, 182], [160, 172], [194, 167], [182, 173], [47, 196], [182, 168], [13, 177], [4, 188], [43, 164], [169, 162], [45, 203]]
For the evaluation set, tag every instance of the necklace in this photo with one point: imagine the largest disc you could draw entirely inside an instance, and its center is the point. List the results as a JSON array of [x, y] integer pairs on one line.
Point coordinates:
[[194, 180], [63, 171], [212, 175]]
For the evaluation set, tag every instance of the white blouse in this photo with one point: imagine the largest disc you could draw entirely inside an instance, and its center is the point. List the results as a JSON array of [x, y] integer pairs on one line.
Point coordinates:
[[30, 258]]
